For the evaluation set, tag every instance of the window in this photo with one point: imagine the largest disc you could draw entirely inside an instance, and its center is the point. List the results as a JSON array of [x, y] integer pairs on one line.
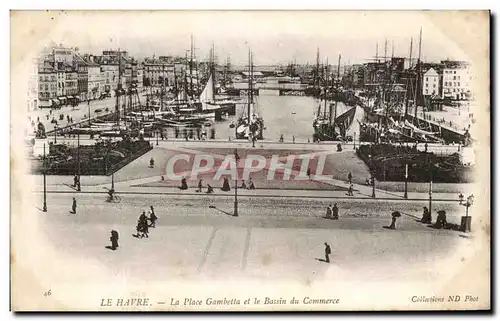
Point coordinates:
[[426, 91], [458, 77], [434, 86], [426, 78], [433, 92], [454, 77], [458, 84]]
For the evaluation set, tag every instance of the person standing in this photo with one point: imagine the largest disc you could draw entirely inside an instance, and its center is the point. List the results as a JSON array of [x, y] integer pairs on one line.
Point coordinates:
[[200, 186], [73, 207], [349, 178], [114, 239], [329, 212], [328, 251], [335, 212], [153, 217], [350, 190]]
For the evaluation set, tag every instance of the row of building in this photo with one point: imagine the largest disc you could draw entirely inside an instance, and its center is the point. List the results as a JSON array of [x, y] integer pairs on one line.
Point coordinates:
[[64, 76], [445, 80]]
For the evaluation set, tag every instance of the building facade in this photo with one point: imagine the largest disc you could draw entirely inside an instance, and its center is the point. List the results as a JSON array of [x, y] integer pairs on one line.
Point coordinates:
[[110, 75], [95, 80], [430, 83], [457, 78], [32, 94]]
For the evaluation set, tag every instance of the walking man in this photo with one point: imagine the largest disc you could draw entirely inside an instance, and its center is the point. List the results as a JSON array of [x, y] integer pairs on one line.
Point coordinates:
[[329, 211], [328, 251], [200, 186], [350, 191], [335, 212], [73, 207], [349, 178], [114, 239], [152, 217]]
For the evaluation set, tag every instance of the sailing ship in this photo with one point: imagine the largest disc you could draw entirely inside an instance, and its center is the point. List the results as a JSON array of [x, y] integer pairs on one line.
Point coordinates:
[[389, 106], [250, 125]]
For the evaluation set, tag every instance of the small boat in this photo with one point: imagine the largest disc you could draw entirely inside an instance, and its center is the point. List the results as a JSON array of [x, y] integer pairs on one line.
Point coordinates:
[[293, 112]]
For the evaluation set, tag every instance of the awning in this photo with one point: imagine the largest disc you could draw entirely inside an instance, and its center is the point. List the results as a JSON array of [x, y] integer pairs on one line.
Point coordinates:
[[70, 97], [62, 98], [55, 101], [78, 97]]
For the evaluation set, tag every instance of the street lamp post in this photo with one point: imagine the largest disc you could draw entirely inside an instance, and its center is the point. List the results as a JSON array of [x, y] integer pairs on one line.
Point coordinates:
[[78, 187], [235, 212], [406, 181], [465, 225], [55, 134], [44, 181], [354, 140], [373, 176], [88, 104], [157, 137]]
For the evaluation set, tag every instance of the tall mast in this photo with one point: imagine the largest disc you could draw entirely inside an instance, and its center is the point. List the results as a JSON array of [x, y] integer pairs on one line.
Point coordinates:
[[326, 86], [249, 84], [376, 52], [408, 81], [316, 80], [385, 50], [338, 76], [212, 72], [418, 72], [162, 86], [191, 67], [185, 80], [175, 84], [119, 87]]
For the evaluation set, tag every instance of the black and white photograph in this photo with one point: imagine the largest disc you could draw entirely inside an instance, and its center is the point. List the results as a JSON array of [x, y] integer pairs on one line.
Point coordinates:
[[250, 160]]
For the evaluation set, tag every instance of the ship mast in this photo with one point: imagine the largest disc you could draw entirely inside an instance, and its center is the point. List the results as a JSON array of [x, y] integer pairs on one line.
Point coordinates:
[[212, 72], [408, 81], [250, 89], [191, 68], [119, 87], [326, 87], [418, 72]]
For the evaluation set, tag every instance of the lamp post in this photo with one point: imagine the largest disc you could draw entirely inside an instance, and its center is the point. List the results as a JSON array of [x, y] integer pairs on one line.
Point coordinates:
[[55, 134], [406, 181], [88, 104], [78, 187], [465, 225], [354, 140], [44, 182], [373, 176], [157, 137], [236, 157]]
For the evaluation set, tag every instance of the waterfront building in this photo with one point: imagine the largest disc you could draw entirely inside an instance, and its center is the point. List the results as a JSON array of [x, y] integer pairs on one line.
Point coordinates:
[[457, 78], [430, 81]]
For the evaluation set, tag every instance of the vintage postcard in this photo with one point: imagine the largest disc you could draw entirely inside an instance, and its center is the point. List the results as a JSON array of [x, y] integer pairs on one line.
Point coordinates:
[[250, 160]]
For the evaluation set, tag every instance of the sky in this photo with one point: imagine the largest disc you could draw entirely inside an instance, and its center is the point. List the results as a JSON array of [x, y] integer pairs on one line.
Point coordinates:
[[274, 36]]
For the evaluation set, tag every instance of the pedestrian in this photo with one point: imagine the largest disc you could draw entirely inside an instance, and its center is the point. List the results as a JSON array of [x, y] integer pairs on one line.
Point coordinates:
[[441, 220], [349, 178], [329, 212], [225, 185], [114, 239], [200, 186], [243, 185], [151, 163], [281, 138], [73, 207], [426, 216], [153, 217], [394, 215], [210, 189], [328, 251], [426, 146], [183, 184], [350, 190], [250, 184], [335, 212], [293, 139], [143, 218], [75, 181]]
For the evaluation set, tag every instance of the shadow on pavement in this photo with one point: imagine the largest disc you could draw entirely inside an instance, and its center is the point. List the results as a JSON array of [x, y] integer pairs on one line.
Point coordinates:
[[109, 247], [388, 227], [321, 260], [218, 209]]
